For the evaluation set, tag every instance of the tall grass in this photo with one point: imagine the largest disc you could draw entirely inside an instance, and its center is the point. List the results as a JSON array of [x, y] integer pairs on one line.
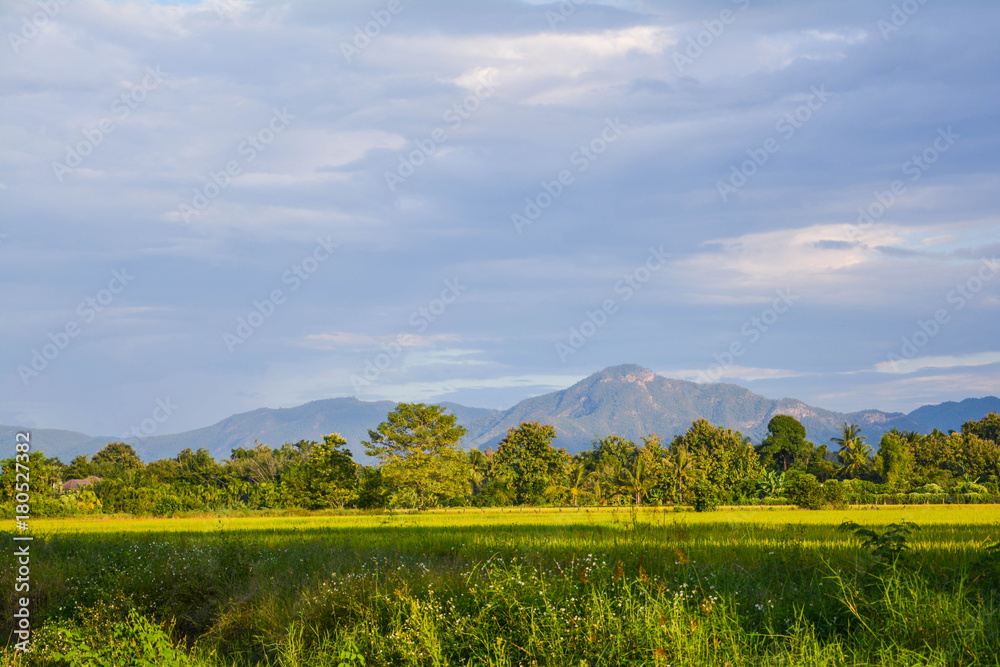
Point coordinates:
[[763, 587]]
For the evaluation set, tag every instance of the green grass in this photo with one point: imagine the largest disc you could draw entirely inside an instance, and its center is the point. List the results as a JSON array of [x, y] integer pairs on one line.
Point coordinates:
[[547, 587]]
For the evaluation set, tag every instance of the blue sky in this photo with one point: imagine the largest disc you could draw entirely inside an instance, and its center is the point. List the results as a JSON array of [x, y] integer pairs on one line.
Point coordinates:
[[229, 205]]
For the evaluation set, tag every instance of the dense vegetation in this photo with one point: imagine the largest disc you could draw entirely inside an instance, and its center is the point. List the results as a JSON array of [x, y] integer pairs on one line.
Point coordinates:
[[420, 464]]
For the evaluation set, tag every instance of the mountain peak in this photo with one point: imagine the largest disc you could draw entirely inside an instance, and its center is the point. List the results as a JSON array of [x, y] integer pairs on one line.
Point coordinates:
[[627, 373]]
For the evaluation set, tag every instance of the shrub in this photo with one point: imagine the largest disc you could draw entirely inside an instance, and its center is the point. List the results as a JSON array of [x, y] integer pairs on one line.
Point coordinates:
[[834, 493], [138, 641], [970, 487], [806, 492], [931, 488], [706, 496]]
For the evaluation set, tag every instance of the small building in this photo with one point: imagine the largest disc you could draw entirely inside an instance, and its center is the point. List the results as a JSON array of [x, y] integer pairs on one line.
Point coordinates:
[[74, 484]]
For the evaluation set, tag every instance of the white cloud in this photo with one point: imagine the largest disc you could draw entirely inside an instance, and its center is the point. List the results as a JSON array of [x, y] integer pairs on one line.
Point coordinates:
[[906, 366]]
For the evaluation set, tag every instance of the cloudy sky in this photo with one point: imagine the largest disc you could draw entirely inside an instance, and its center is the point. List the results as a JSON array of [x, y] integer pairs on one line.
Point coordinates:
[[229, 205]]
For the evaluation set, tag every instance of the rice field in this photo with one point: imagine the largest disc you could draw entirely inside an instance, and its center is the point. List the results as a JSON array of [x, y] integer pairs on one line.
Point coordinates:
[[761, 586]]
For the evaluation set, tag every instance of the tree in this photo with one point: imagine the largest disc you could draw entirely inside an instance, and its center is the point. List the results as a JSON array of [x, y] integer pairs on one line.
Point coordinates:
[[573, 483], [805, 491], [198, 468], [680, 466], [43, 478], [263, 464], [723, 458], [417, 447], [372, 492], [987, 428], [785, 444], [527, 462], [654, 454], [820, 465], [327, 478], [610, 450], [636, 481], [479, 467], [979, 458], [894, 461], [115, 458], [936, 458], [80, 467], [854, 454]]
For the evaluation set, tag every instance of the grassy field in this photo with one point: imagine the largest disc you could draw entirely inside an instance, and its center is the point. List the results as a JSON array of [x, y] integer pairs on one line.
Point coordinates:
[[532, 587]]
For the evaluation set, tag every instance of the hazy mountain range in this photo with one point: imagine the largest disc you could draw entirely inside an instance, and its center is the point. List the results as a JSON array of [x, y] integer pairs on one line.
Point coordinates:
[[628, 400]]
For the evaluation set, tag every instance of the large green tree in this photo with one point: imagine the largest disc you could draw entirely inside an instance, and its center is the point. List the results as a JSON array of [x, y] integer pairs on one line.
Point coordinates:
[[785, 444], [417, 448], [116, 458], [326, 478], [527, 463], [722, 458]]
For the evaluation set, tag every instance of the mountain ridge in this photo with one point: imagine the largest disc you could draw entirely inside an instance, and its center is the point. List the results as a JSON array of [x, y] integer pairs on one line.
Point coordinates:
[[629, 400]]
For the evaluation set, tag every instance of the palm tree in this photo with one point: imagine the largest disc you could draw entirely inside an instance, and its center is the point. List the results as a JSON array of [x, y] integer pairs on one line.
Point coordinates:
[[478, 467], [855, 454], [637, 481], [576, 477], [679, 464]]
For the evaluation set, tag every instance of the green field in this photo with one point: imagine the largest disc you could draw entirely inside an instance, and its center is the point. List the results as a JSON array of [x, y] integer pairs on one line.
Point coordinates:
[[518, 587]]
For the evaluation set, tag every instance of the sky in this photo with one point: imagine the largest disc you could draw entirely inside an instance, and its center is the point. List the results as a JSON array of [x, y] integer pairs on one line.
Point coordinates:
[[212, 207]]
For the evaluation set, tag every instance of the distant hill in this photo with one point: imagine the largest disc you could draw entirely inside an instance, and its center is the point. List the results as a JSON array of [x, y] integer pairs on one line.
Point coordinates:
[[629, 400], [950, 416], [55, 442], [347, 416]]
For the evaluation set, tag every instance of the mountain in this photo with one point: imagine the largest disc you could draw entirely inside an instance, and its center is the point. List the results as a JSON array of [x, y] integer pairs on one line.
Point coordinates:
[[56, 442], [628, 400], [348, 416], [632, 401], [950, 416]]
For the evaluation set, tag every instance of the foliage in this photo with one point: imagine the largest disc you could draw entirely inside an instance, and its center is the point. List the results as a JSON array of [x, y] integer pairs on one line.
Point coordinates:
[[886, 546], [805, 491], [987, 428], [527, 463], [705, 496], [854, 454], [894, 462], [834, 493], [636, 481], [136, 642], [772, 484], [723, 458], [420, 466], [785, 444], [116, 458], [417, 448]]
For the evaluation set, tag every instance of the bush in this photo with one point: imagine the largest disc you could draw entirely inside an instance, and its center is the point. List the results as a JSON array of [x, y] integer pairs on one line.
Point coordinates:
[[706, 496], [805, 491], [970, 488], [138, 641], [834, 493], [931, 488]]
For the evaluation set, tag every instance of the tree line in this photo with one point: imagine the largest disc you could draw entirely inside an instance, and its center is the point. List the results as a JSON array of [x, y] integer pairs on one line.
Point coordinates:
[[420, 464]]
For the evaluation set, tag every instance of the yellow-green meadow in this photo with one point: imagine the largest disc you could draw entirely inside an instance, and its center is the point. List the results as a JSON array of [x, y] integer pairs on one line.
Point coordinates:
[[548, 586]]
